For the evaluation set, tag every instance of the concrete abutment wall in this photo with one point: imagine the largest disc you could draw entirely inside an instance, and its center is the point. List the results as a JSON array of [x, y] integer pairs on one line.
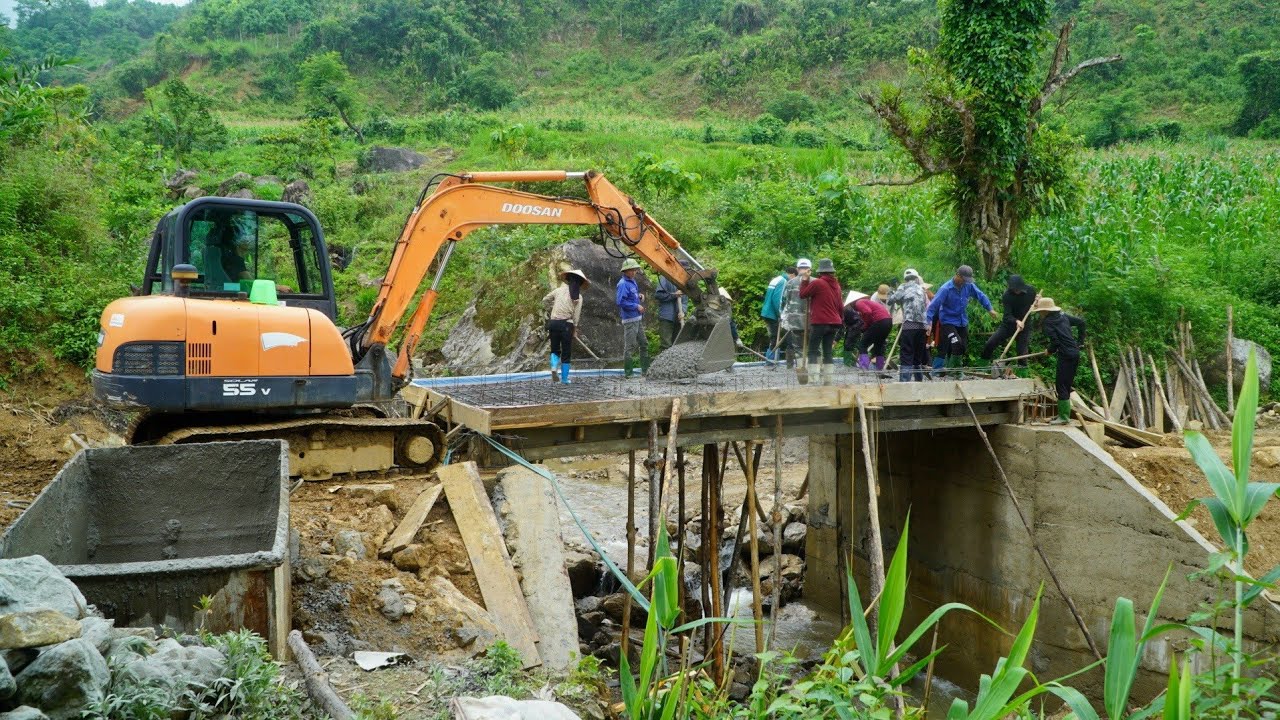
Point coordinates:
[[1105, 535]]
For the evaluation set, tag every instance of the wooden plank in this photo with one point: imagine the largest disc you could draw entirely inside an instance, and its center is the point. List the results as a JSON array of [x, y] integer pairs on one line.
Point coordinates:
[[460, 413], [1125, 434], [402, 536], [1119, 396], [490, 562]]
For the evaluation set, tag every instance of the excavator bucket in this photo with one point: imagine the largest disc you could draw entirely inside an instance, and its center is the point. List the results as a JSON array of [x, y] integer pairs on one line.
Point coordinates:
[[697, 350], [718, 350]]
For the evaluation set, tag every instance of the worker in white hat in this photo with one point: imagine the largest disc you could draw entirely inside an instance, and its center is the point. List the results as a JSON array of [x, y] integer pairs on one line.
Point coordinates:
[[795, 312], [911, 298]]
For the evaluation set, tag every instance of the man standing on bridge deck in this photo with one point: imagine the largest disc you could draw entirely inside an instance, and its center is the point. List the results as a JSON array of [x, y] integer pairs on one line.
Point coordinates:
[[771, 310], [950, 306], [1066, 346], [913, 344], [826, 316], [795, 314], [1016, 302], [672, 307], [630, 302]]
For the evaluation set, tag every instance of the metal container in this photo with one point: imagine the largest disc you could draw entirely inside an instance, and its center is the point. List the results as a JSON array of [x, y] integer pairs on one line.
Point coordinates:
[[146, 532]]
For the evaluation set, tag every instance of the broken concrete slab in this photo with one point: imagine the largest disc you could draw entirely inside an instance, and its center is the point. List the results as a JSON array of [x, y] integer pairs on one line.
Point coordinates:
[[538, 550]]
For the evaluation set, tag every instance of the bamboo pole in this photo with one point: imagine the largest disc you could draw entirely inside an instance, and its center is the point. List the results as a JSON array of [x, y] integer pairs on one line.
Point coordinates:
[[873, 510], [1172, 411], [756, 611], [713, 542], [652, 464], [776, 516], [680, 528], [1084, 628], [704, 548], [631, 547], [1102, 389], [317, 680], [1231, 375]]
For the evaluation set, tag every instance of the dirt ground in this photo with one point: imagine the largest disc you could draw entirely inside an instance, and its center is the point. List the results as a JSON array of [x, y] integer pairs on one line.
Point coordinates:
[[1170, 473]]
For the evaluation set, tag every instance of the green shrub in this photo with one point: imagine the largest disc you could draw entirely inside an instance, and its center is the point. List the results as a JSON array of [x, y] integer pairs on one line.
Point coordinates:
[[766, 130], [790, 106]]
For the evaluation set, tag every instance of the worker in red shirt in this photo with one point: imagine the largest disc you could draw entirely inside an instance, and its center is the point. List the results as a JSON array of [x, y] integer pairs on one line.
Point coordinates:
[[876, 324], [826, 317]]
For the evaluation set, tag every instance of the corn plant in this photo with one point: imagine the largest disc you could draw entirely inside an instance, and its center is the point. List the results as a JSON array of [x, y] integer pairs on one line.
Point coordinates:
[[1236, 502], [995, 698], [1177, 698]]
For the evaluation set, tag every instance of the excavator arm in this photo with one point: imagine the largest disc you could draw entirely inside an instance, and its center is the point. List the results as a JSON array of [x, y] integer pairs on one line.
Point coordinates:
[[463, 203]]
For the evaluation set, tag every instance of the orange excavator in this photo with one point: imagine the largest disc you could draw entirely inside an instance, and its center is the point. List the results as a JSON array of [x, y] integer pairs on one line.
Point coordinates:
[[232, 334]]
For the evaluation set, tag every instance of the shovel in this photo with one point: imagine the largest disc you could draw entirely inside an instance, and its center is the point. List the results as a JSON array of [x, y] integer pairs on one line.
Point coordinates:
[[1000, 367]]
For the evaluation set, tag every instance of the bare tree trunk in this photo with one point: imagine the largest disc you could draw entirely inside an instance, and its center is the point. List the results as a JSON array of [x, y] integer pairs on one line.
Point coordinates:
[[991, 224]]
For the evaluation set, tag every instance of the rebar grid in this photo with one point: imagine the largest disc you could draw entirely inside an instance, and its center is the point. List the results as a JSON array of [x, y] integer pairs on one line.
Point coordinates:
[[540, 389]]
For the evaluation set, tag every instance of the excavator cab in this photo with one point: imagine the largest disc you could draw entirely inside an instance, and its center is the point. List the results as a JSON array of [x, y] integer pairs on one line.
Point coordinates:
[[233, 244]]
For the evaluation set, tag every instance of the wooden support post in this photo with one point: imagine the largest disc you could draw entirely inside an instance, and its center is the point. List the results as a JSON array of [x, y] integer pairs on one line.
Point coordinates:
[[631, 547], [823, 583], [713, 545], [669, 471], [317, 680], [680, 528], [704, 545], [1231, 373], [652, 464], [1168, 401], [756, 611], [1102, 389], [776, 517], [873, 512]]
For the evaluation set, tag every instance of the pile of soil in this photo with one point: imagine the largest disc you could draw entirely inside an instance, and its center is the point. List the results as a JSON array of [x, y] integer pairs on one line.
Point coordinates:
[[1170, 473]]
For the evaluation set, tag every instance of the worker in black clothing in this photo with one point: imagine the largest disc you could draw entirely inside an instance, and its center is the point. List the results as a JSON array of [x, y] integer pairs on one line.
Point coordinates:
[[1066, 346], [1016, 301]]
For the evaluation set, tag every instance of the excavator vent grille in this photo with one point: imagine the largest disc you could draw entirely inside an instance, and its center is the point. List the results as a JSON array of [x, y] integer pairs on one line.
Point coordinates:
[[199, 358]]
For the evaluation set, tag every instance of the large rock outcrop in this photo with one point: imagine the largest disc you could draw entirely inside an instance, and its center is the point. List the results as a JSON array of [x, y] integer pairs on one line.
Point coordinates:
[[1216, 372], [503, 328]]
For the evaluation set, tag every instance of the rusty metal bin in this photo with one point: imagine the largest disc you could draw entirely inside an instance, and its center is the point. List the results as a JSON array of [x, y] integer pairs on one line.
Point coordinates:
[[145, 532]]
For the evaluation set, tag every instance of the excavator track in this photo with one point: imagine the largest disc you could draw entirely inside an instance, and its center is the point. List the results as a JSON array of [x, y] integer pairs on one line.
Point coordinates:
[[324, 446]]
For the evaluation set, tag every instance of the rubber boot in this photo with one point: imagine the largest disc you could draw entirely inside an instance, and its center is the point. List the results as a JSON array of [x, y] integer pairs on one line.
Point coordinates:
[[644, 364], [564, 373], [938, 364], [905, 373], [768, 354], [828, 373], [555, 366], [864, 361], [627, 368], [848, 357], [1064, 413], [879, 362]]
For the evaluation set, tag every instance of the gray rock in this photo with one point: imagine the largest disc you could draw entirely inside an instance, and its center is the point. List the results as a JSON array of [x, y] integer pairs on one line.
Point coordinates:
[[176, 667], [349, 542], [242, 194], [392, 159], [24, 712], [7, 685], [181, 179], [314, 567], [18, 659], [64, 679], [191, 192], [295, 546], [391, 604], [297, 191], [233, 183], [267, 180], [793, 536], [470, 625], [584, 573], [1216, 372], [32, 583], [36, 628], [124, 649]]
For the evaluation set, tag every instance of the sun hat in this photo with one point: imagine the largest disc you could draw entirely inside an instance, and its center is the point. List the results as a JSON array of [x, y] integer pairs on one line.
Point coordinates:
[[1045, 304], [826, 266], [574, 271], [854, 296], [883, 290], [630, 264], [803, 264], [910, 273]]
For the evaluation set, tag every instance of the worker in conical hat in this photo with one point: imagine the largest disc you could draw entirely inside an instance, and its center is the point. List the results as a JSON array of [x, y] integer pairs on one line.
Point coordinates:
[[562, 321], [1065, 346]]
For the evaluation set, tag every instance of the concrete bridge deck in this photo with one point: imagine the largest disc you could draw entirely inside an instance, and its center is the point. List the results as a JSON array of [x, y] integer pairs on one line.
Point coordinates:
[[604, 412]]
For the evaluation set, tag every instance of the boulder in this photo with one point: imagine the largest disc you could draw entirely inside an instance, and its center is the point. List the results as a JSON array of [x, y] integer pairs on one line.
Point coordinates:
[[36, 628], [490, 338], [64, 679], [7, 684], [314, 567], [242, 194], [18, 659], [349, 543], [181, 179], [793, 536], [176, 667], [24, 712], [32, 583], [470, 625], [297, 191], [391, 159], [792, 577], [412, 558], [191, 192], [233, 183], [1216, 372], [379, 523], [584, 573], [391, 604], [267, 180]]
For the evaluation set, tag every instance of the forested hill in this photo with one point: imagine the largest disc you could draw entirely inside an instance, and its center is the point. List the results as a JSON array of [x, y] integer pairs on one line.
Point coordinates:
[[678, 57]]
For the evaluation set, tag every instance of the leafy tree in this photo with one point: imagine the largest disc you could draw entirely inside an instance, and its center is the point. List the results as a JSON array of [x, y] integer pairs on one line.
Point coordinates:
[[327, 87], [182, 120], [27, 108], [977, 120], [485, 85], [791, 105], [1260, 75]]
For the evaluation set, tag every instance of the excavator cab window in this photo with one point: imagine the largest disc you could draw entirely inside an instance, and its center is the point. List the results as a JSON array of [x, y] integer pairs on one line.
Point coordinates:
[[233, 244]]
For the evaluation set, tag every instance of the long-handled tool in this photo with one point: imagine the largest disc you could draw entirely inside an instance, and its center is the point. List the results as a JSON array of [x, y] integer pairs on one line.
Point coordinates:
[[1018, 329], [998, 368], [586, 347], [888, 359]]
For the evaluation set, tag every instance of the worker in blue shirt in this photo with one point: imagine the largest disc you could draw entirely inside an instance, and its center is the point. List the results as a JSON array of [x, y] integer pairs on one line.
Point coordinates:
[[950, 307]]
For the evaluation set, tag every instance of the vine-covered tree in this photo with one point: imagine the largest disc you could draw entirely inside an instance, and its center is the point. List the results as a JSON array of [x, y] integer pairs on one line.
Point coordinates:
[[327, 87], [1260, 75], [182, 120], [976, 121]]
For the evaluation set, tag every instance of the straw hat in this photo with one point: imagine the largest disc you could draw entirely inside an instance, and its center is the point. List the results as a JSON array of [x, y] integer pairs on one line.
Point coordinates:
[[854, 296], [574, 271], [1045, 304]]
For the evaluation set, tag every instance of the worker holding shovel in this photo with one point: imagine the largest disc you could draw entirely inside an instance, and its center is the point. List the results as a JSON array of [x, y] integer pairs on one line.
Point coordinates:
[[912, 297], [771, 310], [795, 315], [1065, 345], [1017, 301]]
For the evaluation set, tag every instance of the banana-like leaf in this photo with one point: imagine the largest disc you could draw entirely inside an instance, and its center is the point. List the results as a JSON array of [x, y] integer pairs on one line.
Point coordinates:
[[1186, 687], [1171, 710], [1223, 521], [861, 633], [906, 675], [927, 625], [1256, 497], [992, 702], [628, 685], [695, 624], [1074, 700], [894, 596], [1242, 426], [1155, 606], [1122, 660], [666, 591], [1266, 582], [1221, 481]]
